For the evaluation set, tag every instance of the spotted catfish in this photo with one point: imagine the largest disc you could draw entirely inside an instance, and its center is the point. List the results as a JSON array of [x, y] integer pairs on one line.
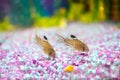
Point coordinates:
[[45, 45], [75, 43]]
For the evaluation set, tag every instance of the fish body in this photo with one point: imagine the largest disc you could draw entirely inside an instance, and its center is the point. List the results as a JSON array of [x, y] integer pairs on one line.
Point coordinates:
[[46, 47], [75, 43]]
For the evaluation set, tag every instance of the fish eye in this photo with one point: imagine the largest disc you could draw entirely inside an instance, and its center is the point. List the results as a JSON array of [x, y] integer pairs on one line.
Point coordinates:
[[83, 48], [72, 36], [45, 38], [50, 53]]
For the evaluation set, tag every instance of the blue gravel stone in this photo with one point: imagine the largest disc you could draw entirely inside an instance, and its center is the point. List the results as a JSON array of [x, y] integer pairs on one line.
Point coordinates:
[[75, 77]]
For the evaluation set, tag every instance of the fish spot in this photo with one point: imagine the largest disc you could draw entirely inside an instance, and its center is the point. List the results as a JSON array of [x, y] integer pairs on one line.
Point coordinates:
[[45, 37], [72, 36]]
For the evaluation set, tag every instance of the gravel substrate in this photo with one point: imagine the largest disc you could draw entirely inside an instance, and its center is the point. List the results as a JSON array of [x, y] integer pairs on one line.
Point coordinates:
[[22, 59]]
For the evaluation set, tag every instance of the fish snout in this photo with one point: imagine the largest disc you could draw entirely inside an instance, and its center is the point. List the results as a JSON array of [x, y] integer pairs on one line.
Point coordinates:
[[52, 54], [85, 48]]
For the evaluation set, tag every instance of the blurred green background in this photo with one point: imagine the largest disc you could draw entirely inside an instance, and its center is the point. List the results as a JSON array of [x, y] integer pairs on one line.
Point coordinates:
[[56, 13]]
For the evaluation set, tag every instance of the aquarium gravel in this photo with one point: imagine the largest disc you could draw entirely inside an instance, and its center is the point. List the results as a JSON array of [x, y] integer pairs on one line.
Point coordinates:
[[22, 59]]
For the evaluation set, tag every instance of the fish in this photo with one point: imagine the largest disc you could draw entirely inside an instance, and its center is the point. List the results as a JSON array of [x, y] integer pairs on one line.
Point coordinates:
[[75, 43], [46, 47]]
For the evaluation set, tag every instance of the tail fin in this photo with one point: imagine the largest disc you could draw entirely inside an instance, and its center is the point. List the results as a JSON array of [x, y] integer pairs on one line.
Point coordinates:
[[38, 39], [60, 38]]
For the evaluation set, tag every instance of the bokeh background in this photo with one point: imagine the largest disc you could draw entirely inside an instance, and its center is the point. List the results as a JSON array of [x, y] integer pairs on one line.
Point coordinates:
[[56, 13]]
